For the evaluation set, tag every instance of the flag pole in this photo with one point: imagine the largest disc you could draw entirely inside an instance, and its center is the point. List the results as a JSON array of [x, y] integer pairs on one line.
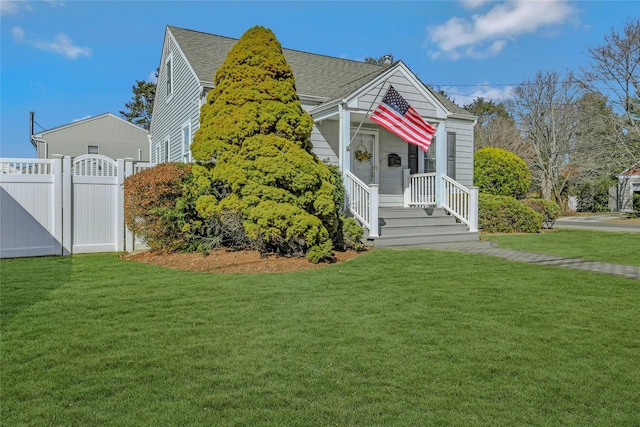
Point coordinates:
[[367, 114]]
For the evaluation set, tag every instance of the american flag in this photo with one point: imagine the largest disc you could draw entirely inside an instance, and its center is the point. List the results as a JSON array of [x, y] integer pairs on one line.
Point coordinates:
[[397, 116]]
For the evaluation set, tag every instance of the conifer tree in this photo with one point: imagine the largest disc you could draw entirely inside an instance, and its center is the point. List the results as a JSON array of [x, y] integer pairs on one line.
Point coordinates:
[[254, 153]]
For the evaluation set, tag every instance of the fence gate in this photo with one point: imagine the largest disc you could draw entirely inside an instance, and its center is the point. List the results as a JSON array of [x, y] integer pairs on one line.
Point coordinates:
[[95, 205]]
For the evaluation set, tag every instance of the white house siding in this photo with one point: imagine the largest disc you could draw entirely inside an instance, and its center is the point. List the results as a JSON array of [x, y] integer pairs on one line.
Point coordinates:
[[324, 138], [170, 114], [464, 149], [391, 177], [114, 137], [373, 97]]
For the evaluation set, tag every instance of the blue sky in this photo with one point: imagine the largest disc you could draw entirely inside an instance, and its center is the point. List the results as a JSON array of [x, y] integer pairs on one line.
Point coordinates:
[[67, 60]]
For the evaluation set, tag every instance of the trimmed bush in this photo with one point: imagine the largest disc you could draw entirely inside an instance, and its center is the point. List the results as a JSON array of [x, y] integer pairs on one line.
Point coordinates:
[[255, 155], [504, 214], [549, 210], [150, 203], [501, 173]]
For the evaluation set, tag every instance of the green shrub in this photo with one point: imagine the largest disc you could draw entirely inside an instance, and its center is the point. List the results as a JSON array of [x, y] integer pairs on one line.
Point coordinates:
[[150, 205], [501, 173], [352, 232], [256, 157], [549, 210], [636, 202], [504, 214], [593, 196]]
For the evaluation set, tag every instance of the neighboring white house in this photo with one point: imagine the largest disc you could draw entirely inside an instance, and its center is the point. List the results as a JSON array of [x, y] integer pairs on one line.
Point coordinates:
[[105, 134], [628, 186], [340, 95]]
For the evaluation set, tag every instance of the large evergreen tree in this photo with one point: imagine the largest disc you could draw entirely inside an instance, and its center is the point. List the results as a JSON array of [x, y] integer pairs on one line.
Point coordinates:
[[254, 153], [141, 105]]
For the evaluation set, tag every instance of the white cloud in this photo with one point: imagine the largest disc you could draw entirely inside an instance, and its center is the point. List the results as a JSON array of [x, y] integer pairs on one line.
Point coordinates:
[[61, 44], [12, 7], [486, 35], [9, 7]]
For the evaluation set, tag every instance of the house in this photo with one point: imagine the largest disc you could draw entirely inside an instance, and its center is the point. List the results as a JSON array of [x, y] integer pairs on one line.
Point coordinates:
[[105, 134], [628, 187], [388, 181]]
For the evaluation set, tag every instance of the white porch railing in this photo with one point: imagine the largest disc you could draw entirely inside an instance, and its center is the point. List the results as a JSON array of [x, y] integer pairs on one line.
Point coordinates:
[[362, 201], [421, 189], [461, 202]]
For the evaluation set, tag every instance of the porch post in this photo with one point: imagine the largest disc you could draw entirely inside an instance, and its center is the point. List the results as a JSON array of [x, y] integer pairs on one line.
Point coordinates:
[[344, 136], [473, 209], [441, 163], [373, 210], [406, 178]]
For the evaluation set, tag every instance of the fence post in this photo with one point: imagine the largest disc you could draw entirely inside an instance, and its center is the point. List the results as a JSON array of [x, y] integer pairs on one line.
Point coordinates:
[[373, 210], [58, 212], [67, 207], [120, 207], [473, 209], [129, 242]]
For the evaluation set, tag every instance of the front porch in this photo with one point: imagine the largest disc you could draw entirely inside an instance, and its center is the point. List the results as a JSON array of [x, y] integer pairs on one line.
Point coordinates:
[[434, 209]]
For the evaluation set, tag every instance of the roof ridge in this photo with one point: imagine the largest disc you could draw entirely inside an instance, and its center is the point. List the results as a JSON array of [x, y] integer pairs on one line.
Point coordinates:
[[284, 48]]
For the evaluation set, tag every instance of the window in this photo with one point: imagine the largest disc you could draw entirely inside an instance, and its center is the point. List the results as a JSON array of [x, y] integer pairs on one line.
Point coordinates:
[[451, 154], [186, 142], [93, 149], [169, 65], [156, 155], [166, 150], [430, 157]]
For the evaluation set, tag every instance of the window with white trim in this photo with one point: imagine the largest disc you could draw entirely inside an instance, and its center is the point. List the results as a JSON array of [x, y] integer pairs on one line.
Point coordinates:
[[186, 142], [166, 150], [169, 67], [156, 154]]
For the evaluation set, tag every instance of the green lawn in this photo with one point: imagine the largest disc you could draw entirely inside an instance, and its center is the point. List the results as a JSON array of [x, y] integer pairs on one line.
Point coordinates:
[[413, 337], [615, 247]]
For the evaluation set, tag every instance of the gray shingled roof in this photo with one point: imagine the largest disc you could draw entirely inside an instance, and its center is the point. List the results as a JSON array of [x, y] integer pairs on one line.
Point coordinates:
[[316, 75]]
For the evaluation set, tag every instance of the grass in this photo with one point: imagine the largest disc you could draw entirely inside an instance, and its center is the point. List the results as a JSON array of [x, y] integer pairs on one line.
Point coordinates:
[[412, 337], [615, 247]]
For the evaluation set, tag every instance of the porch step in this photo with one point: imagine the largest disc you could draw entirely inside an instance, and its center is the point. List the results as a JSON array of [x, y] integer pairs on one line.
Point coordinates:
[[418, 226]]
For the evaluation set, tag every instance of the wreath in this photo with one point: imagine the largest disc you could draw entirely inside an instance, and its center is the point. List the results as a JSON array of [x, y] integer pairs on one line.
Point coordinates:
[[362, 155]]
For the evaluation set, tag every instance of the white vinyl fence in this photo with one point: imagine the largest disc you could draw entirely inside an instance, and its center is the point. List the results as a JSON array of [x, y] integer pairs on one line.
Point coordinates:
[[63, 206]]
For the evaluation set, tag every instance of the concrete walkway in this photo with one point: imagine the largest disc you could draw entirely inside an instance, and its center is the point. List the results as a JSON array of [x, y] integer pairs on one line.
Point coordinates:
[[492, 249]]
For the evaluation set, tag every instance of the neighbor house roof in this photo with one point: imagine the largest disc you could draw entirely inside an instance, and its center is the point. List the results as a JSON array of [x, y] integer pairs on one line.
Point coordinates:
[[87, 120], [633, 170], [325, 77]]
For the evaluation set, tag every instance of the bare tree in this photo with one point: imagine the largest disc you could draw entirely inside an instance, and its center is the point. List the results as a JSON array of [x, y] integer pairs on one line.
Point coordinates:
[[496, 128], [546, 111], [615, 73]]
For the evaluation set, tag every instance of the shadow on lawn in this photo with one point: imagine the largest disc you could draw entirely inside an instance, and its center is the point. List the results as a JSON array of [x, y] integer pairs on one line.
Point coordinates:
[[26, 281]]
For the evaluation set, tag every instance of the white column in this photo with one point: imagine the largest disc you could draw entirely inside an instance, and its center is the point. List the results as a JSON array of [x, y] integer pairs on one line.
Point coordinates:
[[373, 210], [344, 136], [406, 182], [473, 209], [441, 163]]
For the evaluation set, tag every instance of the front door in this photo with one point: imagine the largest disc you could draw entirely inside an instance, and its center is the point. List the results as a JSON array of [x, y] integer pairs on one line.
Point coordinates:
[[364, 157]]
